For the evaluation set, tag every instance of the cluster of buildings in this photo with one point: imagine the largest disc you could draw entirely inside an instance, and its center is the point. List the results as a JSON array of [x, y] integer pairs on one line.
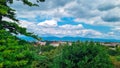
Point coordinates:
[[53, 43], [110, 44], [57, 43]]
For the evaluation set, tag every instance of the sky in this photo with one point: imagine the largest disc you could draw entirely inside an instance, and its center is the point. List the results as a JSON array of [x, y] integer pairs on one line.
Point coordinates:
[[73, 18]]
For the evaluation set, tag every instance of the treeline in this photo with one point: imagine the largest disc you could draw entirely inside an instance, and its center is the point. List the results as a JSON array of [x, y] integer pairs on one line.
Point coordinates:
[[77, 55], [16, 53]]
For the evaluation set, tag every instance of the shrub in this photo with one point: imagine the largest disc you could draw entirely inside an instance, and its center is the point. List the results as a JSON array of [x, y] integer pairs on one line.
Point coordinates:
[[81, 55], [13, 54]]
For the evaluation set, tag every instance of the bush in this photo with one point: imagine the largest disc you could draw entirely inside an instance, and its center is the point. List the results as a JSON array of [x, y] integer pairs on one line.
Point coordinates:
[[80, 55], [13, 54]]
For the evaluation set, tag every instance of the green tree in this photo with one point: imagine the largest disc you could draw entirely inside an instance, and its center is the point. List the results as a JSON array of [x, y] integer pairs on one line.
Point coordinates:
[[79, 55], [14, 54], [7, 11], [83, 56]]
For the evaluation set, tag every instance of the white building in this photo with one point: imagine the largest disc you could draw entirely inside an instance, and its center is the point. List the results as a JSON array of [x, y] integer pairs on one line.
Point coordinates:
[[41, 43]]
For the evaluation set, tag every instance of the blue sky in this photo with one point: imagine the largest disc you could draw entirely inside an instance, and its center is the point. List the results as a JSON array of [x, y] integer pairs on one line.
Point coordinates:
[[83, 18]]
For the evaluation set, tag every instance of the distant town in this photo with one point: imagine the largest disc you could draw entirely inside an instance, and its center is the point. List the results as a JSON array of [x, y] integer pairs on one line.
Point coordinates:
[[57, 43]]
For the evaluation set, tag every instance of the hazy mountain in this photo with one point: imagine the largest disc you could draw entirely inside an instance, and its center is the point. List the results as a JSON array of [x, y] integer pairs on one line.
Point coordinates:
[[52, 38], [78, 38]]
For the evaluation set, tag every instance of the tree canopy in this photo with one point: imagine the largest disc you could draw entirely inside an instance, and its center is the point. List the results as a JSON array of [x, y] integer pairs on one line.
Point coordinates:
[[77, 55], [15, 53], [7, 11]]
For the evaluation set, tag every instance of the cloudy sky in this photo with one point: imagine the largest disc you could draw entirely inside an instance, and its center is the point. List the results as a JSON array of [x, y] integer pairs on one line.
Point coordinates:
[[76, 18]]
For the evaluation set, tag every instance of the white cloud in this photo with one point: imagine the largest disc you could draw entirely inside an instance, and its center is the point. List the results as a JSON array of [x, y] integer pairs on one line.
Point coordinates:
[[78, 8], [92, 21], [7, 19], [92, 12], [68, 26], [82, 9], [112, 15], [68, 30], [48, 23], [116, 30], [26, 24], [111, 33], [56, 30]]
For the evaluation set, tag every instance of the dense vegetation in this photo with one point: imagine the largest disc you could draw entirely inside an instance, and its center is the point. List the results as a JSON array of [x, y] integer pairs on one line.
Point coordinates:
[[7, 11], [78, 55], [115, 55], [17, 53]]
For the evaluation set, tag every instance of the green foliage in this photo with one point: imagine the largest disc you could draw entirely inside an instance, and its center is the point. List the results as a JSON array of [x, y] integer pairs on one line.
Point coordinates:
[[6, 11], [115, 51], [14, 28], [46, 48], [78, 55], [13, 54], [118, 58], [115, 61], [115, 56], [112, 52], [118, 49]]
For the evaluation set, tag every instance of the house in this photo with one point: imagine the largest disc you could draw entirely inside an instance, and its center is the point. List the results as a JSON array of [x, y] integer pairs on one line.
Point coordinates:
[[110, 44], [55, 43], [41, 43], [60, 43]]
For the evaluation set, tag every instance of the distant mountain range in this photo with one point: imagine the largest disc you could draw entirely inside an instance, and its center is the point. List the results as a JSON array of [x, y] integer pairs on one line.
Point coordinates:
[[78, 38], [52, 38]]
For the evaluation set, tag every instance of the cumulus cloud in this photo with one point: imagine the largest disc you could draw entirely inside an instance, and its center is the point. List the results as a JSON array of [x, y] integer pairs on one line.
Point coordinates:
[[116, 30], [105, 7], [108, 5], [83, 9], [112, 17], [59, 30], [70, 27], [48, 23], [92, 12]]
